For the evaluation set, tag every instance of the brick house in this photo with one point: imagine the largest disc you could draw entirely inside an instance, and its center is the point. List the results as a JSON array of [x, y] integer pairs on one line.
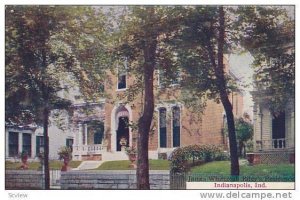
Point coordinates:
[[98, 134]]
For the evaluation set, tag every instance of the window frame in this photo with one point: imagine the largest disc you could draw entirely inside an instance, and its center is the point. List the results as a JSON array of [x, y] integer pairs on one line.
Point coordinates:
[[178, 128], [13, 145], [27, 147]]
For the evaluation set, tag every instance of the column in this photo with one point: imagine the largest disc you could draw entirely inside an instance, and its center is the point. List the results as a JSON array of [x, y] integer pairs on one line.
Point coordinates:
[[85, 133], [255, 126], [75, 136], [6, 143], [20, 142], [33, 145], [80, 132], [291, 140]]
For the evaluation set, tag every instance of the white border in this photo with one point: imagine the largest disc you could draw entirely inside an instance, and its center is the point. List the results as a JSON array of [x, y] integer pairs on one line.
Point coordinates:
[[133, 195]]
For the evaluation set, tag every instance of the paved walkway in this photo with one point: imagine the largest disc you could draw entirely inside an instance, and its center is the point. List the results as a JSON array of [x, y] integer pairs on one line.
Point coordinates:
[[89, 165], [107, 156]]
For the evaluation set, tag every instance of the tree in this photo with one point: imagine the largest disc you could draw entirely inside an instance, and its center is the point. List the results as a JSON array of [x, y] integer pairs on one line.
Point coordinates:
[[40, 51], [201, 43], [30, 91], [144, 30], [244, 132], [208, 32], [269, 35]]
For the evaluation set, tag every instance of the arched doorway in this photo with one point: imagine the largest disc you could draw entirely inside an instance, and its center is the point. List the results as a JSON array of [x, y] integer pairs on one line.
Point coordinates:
[[122, 132], [120, 127]]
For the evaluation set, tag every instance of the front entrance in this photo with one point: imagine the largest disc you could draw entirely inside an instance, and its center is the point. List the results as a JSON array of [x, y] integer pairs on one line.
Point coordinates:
[[278, 131], [122, 133], [120, 129]]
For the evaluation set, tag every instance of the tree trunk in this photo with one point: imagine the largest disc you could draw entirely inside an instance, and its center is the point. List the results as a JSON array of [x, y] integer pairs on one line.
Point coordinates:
[[46, 148], [241, 147], [46, 111], [219, 71], [145, 120]]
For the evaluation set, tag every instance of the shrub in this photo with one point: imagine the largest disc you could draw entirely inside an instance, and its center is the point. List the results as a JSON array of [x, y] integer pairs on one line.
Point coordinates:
[[65, 152], [222, 156], [130, 150], [183, 158]]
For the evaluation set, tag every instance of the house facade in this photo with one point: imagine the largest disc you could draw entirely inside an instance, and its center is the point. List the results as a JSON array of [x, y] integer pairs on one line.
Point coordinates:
[[102, 129], [274, 134], [103, 135]]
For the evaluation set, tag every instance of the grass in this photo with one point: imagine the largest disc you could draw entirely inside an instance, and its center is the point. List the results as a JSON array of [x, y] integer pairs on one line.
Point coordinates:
[[223, 168], [125, 165], [53, 164]]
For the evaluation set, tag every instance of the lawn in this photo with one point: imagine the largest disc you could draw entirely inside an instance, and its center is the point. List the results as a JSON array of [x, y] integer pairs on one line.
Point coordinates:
[[223, 168], [53, 164], [125, 165]]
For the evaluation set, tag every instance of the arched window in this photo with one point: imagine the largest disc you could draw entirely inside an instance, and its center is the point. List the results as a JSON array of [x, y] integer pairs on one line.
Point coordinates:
[[162, 127], [176, 126]]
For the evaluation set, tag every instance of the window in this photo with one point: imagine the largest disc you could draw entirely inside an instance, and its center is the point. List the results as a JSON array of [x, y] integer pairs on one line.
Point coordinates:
[[39, 144], [176, 126], [122, 72], [27, 143], [95, 132], [122, 81], [162, 127], [69, 143], [13, 146]]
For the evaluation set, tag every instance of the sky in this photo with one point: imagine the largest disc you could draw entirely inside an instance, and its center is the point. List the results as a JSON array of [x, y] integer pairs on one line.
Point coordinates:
[[240, 65]]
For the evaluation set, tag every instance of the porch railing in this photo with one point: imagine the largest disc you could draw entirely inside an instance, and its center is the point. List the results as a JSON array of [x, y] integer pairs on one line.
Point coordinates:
[[274, 144], [89, 149]]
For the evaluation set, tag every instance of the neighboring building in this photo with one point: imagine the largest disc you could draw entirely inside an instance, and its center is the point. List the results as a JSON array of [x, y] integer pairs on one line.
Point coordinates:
[[31, 139], [97, 128], [274, 134]]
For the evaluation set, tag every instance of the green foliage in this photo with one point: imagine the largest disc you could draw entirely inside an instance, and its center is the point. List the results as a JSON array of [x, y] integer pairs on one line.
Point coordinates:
[[130, 150], [65, 152], [24, 154], [244, 134], [125, 165], [223, 168], [244, 130], [182, 157], [269, 34], [53, 164], [47, 48]]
